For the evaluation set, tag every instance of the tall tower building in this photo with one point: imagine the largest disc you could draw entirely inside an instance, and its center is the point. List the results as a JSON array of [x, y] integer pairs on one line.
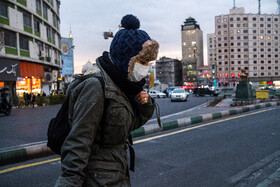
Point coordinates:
[[247, 41], [192, 50], [30, 56]]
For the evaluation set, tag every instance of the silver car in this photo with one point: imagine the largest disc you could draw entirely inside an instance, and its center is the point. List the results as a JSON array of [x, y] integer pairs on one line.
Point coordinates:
[[157, 94], [179, 95]]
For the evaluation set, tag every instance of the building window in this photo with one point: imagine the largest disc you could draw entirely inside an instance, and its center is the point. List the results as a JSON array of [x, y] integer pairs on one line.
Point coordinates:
[[254, 31], [268, 19], [255, 68], [231, 19], [275, 19], [47, 51], [48, 31], [276, 73], [254, 19], [3, 10], [225, 25], [238, 18], [27, 19], [261, 19], [269, 61], [261, 25], [254, 37], [246, 50], [38, 5], [262, 68], [36, 25], [231, 25], [269, 25], [255, 62], [262, 49], [245, 18], [254, 25], [254, 49], [10, 39], [23, 43], [45, 10]]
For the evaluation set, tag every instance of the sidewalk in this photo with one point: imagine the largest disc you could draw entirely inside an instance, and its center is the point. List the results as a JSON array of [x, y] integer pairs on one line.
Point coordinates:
[[196, 115]]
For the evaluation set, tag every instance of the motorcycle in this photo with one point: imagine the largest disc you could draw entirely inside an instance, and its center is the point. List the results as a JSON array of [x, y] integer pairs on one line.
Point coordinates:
[[5, 105]]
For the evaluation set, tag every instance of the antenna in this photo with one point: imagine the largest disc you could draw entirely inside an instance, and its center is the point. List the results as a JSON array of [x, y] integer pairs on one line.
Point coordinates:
[[70, 33], [234, 7], [278, 9], [259, 6]]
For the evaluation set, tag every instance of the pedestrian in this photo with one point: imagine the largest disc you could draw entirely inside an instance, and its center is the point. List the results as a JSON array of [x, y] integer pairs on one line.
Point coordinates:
[[94, 152], [32, 99], [44, 94]]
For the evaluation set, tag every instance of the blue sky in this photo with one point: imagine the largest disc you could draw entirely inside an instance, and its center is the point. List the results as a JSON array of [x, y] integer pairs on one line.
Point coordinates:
[[161, 19]]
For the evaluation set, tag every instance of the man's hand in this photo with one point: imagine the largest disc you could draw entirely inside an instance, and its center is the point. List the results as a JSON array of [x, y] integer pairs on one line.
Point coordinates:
[[142, 97]]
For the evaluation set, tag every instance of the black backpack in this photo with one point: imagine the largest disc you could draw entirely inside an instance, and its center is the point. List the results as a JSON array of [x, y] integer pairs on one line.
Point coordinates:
[[59, 126]]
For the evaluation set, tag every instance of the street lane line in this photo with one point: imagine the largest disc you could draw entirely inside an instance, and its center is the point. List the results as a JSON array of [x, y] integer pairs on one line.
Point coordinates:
[[141, 140], [198, 126], [28, 165]]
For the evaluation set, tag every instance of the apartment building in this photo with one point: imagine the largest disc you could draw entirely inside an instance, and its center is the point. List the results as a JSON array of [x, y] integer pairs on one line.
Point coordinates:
[[169, 71], [192, 50], [246, 41], [30, 55]]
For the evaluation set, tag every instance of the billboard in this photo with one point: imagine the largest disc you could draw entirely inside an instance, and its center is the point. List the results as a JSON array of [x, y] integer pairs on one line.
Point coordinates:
[[67, 56]]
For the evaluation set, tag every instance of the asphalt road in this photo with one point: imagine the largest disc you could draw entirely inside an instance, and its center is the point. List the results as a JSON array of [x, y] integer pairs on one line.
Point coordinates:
[[207, 154], [28, 125]]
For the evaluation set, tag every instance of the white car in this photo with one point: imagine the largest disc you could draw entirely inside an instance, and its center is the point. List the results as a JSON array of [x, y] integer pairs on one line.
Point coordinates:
[[157, 94], [179, 95]]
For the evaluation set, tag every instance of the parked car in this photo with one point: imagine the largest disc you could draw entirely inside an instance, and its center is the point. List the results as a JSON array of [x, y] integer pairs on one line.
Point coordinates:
[[179, 95], [204, 91], [157, 94]]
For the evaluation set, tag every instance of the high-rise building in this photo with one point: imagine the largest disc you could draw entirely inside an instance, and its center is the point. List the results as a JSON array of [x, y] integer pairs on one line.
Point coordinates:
[[30, 55], [246, 41], [211, 46], [192, 50], [169, 71]]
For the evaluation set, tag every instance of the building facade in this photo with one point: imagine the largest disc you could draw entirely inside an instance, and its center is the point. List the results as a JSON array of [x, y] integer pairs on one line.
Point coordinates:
[[211, 49], [192, 50], [30, 55], [247, 41], [169, 71]]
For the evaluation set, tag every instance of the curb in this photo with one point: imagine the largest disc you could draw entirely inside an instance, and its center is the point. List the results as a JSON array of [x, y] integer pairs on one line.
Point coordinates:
[[153, 128], [23, 153], [18, 154]]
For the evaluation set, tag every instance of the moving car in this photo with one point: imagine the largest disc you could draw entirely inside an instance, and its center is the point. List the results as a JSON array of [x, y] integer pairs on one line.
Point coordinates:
[[179, 95], [157, 94]]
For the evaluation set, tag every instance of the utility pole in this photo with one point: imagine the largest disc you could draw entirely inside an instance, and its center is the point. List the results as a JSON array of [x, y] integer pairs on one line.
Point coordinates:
[[278, 9], [259, 6]]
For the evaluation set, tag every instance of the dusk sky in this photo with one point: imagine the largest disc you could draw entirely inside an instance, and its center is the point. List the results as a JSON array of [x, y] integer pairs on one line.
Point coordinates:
[[161, 19]]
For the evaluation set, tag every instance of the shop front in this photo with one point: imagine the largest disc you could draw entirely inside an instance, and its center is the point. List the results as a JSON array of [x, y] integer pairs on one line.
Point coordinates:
[[30, 79]]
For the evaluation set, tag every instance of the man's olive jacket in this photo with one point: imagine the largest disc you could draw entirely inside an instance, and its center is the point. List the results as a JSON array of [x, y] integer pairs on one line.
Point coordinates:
[[94, 153]]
